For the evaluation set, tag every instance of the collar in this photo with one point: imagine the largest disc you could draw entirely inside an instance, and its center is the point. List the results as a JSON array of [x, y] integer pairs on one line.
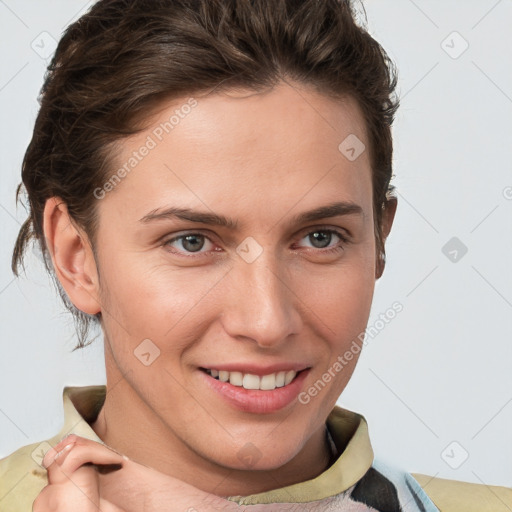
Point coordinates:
[[349, 432], [82, 404]]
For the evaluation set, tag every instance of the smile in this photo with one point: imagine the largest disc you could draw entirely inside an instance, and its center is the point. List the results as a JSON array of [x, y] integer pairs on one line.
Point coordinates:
[[251, 393], [251, 381]]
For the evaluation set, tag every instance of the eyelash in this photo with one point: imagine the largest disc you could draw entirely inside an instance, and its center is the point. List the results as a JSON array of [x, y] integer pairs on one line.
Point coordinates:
[[331, 250]]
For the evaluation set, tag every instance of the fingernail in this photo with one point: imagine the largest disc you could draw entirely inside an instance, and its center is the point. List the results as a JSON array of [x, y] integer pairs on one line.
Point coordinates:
[[65, 449], [69, 439], [53, 453], [49, 457]]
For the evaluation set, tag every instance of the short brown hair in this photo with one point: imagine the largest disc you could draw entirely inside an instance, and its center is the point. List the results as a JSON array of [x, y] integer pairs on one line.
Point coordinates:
[[124, 56]]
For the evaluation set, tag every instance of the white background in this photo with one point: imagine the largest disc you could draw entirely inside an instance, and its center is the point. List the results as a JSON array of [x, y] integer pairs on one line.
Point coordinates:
[[440, 372]]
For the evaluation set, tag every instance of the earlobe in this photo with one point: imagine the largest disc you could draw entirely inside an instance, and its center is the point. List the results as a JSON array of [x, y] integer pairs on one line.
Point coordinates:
[[388, 215], [72, 257]]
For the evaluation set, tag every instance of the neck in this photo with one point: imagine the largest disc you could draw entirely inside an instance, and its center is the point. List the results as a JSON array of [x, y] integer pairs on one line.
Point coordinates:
[[145, 439]]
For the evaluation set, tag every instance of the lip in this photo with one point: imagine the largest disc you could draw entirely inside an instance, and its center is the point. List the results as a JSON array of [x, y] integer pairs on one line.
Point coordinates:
[[256, 400], [256, 369]]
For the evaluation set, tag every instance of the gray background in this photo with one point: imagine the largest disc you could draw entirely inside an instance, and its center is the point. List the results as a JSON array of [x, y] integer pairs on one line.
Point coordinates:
[[436, 383]]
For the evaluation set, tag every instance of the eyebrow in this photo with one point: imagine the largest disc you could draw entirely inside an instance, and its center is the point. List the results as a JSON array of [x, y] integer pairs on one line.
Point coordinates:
[[214, 219]]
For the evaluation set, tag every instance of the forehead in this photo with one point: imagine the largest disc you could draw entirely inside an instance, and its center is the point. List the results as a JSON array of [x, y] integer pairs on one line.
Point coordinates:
[[247, 149]]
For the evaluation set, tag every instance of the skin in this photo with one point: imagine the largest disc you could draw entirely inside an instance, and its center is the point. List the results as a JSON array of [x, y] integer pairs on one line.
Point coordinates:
[[246, 156], [122, 485]]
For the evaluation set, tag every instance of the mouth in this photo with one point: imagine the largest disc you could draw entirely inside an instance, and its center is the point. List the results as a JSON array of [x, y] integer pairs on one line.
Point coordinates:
[[265, 393], [267, 382]]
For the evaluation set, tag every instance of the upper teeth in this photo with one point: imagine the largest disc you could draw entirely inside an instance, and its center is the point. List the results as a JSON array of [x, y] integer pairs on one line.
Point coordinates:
[[250, 381]]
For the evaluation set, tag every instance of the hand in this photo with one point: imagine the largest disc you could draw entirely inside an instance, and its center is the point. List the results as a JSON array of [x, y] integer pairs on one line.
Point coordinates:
[[72, 478], [90, 477]]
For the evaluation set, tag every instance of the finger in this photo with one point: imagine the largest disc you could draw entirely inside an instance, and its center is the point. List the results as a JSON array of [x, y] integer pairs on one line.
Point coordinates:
[[54, 451], [69, 440], [62, 498], [80, 487], [74, 456]]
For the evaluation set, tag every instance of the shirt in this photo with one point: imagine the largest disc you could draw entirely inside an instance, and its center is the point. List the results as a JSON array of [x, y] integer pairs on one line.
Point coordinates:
[[355, 482]]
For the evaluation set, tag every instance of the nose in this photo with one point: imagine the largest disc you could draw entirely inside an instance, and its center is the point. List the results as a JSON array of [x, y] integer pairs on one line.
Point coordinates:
[[259, 302]]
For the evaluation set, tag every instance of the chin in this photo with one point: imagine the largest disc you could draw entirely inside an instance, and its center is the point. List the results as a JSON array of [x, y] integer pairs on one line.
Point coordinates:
[[253, 458]]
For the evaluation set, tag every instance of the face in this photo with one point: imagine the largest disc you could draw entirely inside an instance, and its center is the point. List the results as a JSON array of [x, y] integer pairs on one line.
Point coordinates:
[[267, 290]]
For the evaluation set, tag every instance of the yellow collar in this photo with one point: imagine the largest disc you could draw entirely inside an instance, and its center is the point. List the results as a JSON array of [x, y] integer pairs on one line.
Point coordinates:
[[22, 477]]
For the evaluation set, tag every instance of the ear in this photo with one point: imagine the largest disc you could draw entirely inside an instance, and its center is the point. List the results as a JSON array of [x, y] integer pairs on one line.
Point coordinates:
[[388, 215], [72, 257]]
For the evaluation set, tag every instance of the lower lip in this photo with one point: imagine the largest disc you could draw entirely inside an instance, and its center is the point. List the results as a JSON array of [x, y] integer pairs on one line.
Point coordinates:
[[257, 400]]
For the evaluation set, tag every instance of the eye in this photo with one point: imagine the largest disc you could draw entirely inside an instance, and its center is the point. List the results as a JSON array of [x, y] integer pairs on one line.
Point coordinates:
[[193, 243], [322, 238], [190, 242]]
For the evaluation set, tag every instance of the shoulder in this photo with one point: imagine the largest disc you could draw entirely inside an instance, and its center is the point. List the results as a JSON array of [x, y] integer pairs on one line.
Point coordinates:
[[400, 490], [22, 477], [455, 496]]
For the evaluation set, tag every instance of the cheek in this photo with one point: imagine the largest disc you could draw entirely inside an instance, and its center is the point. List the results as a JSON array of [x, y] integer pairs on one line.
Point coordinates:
[[154, 300], [340, 296], [341, 313]]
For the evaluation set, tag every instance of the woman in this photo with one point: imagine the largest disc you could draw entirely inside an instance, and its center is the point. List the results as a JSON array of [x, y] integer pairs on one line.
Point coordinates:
[[210, 182]]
